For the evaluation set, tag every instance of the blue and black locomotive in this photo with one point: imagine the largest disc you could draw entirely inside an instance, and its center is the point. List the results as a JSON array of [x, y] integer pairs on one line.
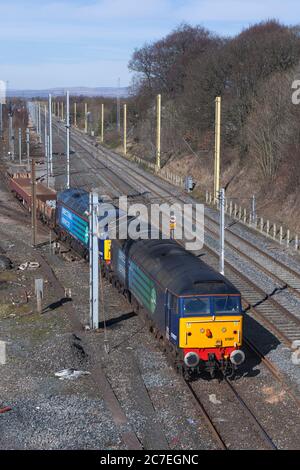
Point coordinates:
[[194, 311]]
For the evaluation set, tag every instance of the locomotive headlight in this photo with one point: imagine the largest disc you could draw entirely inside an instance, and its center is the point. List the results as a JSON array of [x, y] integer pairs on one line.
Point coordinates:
[[224, 330], [191, 359], [237, 357]]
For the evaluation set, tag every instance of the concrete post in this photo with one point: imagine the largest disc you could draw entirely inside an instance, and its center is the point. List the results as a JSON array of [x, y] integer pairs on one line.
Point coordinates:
[[125, 129], [85, 118], [33, 203], [217, 146], [94, 261], [261, 224], [20, 145], [28, 148], [222, 229], [102, 123], [68, 139], [288, 238], [50, 135]]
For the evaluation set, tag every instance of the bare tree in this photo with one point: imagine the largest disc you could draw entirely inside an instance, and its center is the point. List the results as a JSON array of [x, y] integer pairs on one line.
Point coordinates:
[[271, 127]]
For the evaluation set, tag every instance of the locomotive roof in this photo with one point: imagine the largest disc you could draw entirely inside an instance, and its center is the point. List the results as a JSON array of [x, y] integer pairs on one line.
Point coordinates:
[[78, 200], [178, 270]]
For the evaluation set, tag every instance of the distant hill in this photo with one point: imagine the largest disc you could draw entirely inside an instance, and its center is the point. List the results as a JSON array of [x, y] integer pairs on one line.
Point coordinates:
[[110, 92]]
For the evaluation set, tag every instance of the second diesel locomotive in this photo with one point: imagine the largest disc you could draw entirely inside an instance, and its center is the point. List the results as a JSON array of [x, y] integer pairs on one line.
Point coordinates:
[[195, 311]]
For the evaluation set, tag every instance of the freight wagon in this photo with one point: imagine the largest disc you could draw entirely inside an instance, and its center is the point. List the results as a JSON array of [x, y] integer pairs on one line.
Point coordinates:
[[45, 197]]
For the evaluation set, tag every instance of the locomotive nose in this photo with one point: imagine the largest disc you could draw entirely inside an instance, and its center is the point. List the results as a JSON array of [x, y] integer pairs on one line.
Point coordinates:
[[191, 359], [237, 357]]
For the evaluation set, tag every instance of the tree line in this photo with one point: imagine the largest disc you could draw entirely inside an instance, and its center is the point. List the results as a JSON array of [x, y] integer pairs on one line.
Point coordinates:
[[252, 71]]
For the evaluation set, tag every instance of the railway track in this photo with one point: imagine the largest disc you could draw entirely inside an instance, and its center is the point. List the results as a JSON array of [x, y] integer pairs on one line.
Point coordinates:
[[263, 307], [267, 441], [243, 414], [285, 324], [273, 267], [278, 271]]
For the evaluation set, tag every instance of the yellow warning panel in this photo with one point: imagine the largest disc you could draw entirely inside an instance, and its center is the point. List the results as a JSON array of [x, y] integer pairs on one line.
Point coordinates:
[[107, 250], [210, 332]]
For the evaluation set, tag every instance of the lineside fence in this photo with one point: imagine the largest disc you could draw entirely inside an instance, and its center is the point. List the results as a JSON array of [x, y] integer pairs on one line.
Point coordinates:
[[163, 172], [267, 228]]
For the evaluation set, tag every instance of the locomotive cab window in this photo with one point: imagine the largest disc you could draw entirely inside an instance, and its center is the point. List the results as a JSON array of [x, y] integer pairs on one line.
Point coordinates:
[[227, 304], [196, 305]]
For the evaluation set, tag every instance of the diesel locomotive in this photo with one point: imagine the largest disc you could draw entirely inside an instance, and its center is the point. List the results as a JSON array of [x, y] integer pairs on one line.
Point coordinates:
[[194, 311]]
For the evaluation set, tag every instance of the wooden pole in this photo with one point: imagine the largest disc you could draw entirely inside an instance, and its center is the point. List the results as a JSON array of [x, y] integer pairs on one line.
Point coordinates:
[[75, 114]]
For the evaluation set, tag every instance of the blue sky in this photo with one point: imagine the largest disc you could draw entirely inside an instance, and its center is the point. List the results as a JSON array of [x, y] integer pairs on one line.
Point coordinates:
[[49, 43]]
